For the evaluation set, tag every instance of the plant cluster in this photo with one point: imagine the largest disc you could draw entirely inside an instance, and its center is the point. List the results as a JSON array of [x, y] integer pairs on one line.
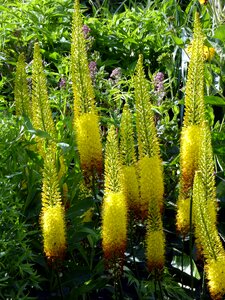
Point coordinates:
[[112, 150]]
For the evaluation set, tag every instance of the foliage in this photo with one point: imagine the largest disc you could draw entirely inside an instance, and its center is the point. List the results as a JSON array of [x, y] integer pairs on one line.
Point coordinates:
[[118, 32]]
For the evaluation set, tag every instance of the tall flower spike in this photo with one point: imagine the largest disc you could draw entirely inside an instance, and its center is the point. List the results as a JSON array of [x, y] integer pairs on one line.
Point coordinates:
[[52, 217], [128, 158], [150, 171], [194, 91], [150, 165], [147, 137], [86, 122], [21, 91], [114, 209], [81, 78], [208, 239], [41, 111], [192, 127]]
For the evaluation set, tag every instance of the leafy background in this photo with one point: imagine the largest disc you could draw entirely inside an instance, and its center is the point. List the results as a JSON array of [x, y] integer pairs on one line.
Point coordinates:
[[119, 32]]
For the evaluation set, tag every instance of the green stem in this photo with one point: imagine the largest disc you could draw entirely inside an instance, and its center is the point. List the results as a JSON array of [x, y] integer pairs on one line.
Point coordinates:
[[59, 282], [160, 289], [190, 245]]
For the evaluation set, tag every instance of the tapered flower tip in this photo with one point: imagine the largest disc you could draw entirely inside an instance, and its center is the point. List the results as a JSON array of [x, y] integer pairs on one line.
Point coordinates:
[[183, 216], [89, 143], [114, 225], [53, 230], [190, 144], [215, 270], [151, 183], [155, 249]]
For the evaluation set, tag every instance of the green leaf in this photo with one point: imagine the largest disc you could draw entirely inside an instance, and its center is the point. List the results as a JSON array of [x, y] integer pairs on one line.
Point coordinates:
[[220, 33], [183, 264], [214, 100], [178, 41]]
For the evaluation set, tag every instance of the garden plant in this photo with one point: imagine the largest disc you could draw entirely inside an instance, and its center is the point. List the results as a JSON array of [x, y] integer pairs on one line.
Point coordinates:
[[112, 149]]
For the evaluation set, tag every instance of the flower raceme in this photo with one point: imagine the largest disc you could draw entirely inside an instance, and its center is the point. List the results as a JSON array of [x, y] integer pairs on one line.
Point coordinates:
[[192, 127], [207, 238], [85, 116], [128, 159], [114, 208], [52, 217]]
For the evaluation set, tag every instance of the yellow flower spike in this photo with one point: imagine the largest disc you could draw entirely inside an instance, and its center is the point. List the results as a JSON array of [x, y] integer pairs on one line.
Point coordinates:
[[131, 187], [128, 158], [81, 78], [215, 272], [114, 225], [89, 143], [53, 230], [147, 136], [52, 217], [151, 184], [113, 167], [194, 91], [205, 228], [21, 91], [41, 111], [155, 249], [114, 209], [206, 166]]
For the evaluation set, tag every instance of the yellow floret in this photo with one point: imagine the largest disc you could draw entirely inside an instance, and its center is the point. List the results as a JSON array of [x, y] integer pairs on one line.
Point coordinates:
[[190, 145], [89, 143], [183, 216], [130, 187], [151, 183], [114, 225], [215, 271], [53, 230], [155, 249]]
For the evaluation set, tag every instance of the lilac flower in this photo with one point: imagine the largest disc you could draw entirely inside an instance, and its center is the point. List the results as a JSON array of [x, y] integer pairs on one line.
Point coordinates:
[[62, 83], [116, 73], [93, 69], [86, 31], [159, 86]]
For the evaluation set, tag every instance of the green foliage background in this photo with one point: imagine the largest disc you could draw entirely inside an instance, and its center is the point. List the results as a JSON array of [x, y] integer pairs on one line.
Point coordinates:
[[120, 31]]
